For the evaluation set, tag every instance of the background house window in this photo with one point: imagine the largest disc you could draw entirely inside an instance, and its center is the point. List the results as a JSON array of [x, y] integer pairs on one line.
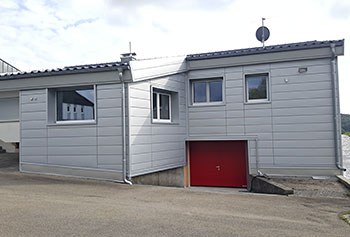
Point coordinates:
[[207, 91], [257, 88], [9, 108], [161, 106], [75, 104]]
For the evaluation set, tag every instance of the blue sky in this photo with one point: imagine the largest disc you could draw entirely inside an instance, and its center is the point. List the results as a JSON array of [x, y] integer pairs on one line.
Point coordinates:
[[37, 34]]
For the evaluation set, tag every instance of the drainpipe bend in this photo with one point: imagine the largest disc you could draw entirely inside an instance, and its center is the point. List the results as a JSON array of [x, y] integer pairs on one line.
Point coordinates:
[[337, 135], [120, 75]]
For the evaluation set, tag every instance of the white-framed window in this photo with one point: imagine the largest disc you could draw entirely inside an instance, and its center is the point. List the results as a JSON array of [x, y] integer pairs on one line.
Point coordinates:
[[161, 108], [257, 88], [75, 104], [207, 91]]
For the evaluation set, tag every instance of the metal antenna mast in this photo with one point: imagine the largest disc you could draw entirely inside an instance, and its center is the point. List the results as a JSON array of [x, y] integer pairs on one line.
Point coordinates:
[[263, 32]]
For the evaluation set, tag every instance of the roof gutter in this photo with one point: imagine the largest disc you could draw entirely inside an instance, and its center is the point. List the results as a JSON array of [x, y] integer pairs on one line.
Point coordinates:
[[337, 133], [120, 75]]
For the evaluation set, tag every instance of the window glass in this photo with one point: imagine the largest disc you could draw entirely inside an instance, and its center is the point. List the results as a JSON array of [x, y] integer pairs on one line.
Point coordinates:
[[9, 108], [199, 92], [257, 87], [164, 106], [75, 105], [215, 91], [155, 114]]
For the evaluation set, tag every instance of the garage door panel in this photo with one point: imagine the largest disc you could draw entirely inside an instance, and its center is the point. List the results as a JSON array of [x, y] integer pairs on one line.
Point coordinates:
[[218, 163]]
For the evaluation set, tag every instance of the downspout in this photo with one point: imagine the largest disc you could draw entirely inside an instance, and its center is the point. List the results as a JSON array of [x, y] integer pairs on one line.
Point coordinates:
[[120, 75], [337, 140]]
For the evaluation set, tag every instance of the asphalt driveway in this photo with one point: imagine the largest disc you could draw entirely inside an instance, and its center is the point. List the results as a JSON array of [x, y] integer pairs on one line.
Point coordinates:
[[38, 205]]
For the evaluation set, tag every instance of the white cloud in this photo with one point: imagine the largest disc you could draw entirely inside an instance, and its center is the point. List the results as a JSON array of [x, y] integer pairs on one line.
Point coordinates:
[[50, 33]]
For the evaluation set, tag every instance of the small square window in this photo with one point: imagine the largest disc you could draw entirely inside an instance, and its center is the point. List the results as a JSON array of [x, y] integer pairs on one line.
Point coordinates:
[[257, 88], [161, 107], [207, 91], [75, 104]]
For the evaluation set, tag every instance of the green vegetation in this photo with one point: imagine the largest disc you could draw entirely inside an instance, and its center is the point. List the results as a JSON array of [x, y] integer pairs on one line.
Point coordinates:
[[345, 217], [345, 124]]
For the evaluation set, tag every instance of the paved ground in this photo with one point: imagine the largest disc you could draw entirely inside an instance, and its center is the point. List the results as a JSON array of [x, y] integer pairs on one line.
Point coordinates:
[[9, 162], [38, 205]]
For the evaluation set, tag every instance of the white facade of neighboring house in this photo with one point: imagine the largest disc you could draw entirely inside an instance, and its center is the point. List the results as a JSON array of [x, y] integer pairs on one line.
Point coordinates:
[[206, 119], [9, 114]]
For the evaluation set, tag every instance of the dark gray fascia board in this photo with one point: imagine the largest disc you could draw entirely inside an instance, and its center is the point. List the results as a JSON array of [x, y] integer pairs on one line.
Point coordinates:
[[263, 50]]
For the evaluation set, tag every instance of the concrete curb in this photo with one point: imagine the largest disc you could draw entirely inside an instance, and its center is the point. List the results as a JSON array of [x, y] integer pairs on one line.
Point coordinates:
[[344, 181], [264, 185]]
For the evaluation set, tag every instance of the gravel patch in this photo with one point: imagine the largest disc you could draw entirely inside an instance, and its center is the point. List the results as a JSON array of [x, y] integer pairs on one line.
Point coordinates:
[[315, 188], [346, 155]]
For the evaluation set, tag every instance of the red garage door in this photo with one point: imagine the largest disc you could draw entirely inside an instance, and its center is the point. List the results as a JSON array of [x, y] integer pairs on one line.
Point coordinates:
[[218, 163]]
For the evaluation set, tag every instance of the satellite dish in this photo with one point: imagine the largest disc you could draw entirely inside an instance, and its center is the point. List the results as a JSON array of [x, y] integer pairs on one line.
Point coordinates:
[[262, 34]]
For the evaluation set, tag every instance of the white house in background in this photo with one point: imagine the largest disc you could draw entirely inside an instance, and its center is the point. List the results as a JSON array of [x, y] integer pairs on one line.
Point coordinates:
[[212, 119], [9, 114]]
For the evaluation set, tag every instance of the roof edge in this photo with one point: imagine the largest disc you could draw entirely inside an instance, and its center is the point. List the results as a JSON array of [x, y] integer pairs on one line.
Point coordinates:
[[267, 49], [102, 67]]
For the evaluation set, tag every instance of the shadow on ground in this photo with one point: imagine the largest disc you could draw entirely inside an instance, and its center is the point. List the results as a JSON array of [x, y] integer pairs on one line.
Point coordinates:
[[9, 162]]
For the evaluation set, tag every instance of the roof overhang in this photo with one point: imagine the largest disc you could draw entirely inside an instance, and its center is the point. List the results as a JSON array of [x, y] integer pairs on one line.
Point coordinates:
[[64, 77], [271, 54]]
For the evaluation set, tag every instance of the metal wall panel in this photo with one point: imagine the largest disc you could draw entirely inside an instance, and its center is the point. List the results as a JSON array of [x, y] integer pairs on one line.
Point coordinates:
[[148, 139], [97, 146], [295, 129]]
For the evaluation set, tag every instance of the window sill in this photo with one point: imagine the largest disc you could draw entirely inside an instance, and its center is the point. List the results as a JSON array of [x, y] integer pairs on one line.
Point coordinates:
[[207, 104], [164, 122], [72, 123], [257, 102], [9, 121]]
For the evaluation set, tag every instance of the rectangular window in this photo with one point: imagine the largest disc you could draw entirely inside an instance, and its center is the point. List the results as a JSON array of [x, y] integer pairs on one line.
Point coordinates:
[[9, 108], [199, 92], [207, 91], [75, 104], [257, 88], [161, 107]]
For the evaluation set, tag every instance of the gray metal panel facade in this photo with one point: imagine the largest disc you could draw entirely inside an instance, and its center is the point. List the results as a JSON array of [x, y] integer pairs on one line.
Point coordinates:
[[295, 129], [156, 146], [95, 146]]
